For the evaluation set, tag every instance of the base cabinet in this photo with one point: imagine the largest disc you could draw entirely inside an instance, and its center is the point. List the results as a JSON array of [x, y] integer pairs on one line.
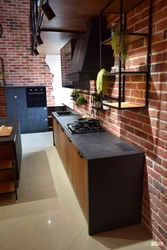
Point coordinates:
[[75, 165], [108, 189], [37, 119]]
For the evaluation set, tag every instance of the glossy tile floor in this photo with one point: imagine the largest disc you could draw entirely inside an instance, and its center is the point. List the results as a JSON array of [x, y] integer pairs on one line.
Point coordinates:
[[46, 215]]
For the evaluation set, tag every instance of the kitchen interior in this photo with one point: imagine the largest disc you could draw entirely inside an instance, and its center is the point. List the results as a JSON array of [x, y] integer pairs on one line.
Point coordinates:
[[83, 160]]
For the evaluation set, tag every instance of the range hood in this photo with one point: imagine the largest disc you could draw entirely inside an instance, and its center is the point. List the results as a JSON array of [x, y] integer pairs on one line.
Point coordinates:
[[86, 58]]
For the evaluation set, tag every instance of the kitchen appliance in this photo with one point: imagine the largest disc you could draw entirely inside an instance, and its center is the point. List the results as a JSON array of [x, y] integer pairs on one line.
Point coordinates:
[[85, 125], [36, 96]]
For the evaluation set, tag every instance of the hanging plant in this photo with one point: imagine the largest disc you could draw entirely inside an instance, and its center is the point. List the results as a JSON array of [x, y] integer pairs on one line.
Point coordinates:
[[115, 42], [120, 43]]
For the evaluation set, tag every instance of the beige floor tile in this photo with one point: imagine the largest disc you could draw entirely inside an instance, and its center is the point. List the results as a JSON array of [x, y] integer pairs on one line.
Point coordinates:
[[68, 203], [19, 215], [14, 245], [3, 239], [84, 242], [51, 230]]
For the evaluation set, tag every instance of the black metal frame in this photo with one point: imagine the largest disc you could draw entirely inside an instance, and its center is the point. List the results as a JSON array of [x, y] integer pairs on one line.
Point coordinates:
[[122, 75]]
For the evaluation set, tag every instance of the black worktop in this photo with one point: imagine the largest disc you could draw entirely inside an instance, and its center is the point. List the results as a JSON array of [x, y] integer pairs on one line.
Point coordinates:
[[99, 144]]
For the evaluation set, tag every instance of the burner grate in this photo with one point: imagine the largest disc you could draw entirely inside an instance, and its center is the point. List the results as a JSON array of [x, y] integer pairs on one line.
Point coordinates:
[[73, 129]]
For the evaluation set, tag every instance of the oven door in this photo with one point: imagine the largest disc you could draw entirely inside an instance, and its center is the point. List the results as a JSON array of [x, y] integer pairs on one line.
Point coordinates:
[[36, 97]]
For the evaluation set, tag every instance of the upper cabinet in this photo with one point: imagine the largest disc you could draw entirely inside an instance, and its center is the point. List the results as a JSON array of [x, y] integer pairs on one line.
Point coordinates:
[[66, 54], [128, 25]]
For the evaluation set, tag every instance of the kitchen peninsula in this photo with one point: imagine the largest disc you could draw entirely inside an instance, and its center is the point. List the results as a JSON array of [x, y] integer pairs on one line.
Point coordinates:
[[105, 172], [10, 155]]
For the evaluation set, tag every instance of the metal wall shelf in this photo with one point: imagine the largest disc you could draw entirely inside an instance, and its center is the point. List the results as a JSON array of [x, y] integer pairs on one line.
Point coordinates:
[[122, 7]]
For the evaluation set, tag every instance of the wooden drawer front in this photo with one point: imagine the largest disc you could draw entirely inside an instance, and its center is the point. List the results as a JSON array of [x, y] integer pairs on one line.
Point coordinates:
[[6, 175], [5, 152]]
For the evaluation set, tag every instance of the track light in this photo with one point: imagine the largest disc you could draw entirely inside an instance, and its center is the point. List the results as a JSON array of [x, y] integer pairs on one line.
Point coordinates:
[[36, 52], [39, 40], [48, 11]]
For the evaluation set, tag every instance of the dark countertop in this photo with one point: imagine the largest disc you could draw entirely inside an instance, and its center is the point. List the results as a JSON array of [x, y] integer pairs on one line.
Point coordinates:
[[97, 145], [13, 122]]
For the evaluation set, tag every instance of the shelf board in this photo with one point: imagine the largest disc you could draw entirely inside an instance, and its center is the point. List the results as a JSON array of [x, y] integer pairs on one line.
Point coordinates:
[[133, 38], [5, 164], [7, 187], [114, 6], [126, 73], [124, 105]]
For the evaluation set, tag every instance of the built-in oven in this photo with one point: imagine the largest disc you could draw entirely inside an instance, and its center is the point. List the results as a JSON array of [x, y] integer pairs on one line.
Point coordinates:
[[36, 96]]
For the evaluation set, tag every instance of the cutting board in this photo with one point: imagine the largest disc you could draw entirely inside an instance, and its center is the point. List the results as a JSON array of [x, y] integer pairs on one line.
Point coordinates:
[[5, 130]]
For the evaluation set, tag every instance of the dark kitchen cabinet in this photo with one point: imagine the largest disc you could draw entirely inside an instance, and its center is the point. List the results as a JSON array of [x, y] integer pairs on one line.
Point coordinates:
[[37, 119], [34, 119], [106, 174], [16, 105], [66, 55]]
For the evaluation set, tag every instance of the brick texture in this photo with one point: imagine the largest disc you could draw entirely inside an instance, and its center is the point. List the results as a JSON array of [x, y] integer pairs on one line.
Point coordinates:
[[21, 67]]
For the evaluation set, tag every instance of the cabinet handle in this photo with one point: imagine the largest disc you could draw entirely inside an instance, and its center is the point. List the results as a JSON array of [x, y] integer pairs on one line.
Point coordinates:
[[80, 155], [62, 129], [69, 139]]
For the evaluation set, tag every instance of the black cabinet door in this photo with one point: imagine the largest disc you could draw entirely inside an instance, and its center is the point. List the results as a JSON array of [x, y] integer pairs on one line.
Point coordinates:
[[37, 119], [16, 105], [31, 119]]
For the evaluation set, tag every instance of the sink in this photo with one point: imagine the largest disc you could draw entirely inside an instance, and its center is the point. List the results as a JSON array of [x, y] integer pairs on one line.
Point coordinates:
[[64, 113]]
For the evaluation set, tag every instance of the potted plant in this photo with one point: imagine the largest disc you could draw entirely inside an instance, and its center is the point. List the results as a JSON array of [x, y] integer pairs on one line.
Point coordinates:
[[81, 100], [75, 95], [120, 43]]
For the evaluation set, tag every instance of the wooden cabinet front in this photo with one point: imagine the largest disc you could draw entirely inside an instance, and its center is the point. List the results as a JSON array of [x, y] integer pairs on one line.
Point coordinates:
[[74, 163], [79, 179]]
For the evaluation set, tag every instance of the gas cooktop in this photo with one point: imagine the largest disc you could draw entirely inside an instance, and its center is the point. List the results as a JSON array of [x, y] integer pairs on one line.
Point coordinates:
[[85, 125]]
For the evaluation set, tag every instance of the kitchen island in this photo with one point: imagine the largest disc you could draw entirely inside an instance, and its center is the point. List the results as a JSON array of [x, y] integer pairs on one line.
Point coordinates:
[[106, 174], [10, 155]]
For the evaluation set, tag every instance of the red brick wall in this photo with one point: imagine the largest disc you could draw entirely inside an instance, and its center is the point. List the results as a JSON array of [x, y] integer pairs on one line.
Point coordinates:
[[21, 67], [146, 128]]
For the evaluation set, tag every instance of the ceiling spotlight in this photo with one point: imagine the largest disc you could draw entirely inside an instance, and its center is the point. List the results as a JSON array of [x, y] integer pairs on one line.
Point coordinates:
[[36, 52], [39, 40], [48, 11]]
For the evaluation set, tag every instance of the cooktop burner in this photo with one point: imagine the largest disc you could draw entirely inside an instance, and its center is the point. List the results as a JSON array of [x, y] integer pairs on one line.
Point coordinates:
[[83, 125]]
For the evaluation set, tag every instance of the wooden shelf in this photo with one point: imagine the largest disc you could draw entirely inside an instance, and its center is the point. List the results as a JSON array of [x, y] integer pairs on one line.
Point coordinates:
[[126, 73], [114, 6], [7, 187], [133, 38], [124, 105], [5, 164]]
